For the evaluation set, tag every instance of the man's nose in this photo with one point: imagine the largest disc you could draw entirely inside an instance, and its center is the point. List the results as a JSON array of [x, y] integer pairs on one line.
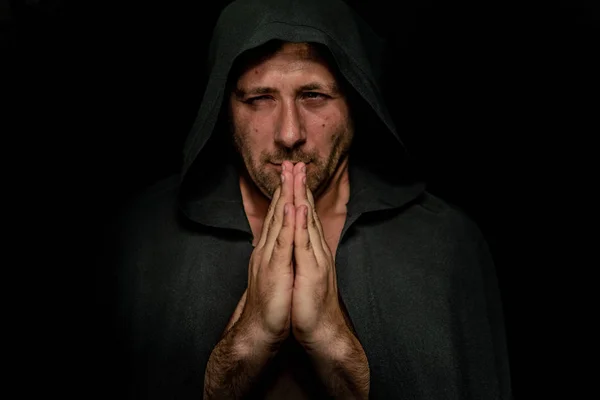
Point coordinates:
[[290, 132]]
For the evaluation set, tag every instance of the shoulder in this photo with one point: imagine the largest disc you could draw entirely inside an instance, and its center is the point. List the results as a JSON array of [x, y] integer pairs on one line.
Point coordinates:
[[431, 208], [447, 222], [439, 206]]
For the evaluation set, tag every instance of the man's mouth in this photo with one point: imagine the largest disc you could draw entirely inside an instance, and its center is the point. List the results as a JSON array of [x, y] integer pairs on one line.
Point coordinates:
[[293, 162]]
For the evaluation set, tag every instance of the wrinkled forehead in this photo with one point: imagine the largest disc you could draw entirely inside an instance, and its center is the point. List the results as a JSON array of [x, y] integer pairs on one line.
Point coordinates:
[[299, 51], [302, 51]]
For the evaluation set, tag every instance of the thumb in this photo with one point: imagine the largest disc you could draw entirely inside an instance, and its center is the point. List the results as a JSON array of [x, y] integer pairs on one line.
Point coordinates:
[[238, 312]]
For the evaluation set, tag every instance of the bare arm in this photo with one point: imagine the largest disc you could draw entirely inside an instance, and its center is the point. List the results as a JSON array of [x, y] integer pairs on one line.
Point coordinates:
[[261, 321], [343, 367], [319, 320], [235, 363]]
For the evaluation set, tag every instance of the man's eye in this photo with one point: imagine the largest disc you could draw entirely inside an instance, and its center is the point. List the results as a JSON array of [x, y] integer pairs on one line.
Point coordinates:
[[252, 100], [313, 95]]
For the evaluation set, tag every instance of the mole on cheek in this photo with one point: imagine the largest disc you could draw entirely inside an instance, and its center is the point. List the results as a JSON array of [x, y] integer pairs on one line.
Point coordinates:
[[323, 125]]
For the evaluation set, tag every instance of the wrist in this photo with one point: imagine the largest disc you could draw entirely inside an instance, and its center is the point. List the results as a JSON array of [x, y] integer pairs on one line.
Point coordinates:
[[342, 364], [334, 343], [236, 361], [252, 341]]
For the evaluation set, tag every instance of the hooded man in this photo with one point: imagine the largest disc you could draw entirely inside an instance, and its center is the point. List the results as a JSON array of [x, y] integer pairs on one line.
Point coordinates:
[[294, 256]]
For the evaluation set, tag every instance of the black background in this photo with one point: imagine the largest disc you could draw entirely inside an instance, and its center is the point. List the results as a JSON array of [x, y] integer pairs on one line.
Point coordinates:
[[496, 103]]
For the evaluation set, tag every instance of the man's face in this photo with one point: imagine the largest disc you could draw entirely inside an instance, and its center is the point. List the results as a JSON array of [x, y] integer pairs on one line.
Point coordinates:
[[290, 107]]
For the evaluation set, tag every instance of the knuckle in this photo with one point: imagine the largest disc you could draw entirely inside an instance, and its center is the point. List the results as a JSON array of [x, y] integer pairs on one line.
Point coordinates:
[[270, 225], [258, 265], [285, 221], [274, 202], [252, 263], [277, 217], [281, 242], [256, 254], [308, 245]]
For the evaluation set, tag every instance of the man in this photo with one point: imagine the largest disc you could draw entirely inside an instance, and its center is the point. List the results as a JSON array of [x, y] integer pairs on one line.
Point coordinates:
[[294, 257]]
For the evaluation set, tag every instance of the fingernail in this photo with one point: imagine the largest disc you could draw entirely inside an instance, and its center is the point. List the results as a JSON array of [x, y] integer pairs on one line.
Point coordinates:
[[282, 178], [304, 168], [305, 211], [283, 167], [304, 179]]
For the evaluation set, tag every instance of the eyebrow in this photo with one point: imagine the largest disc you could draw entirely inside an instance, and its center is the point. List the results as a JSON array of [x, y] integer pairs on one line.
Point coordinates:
[[261, 90], [332, 87]]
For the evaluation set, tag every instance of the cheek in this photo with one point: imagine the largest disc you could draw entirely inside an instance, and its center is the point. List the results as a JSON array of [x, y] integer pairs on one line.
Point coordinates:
[[259, 133], [256, 123], [325, 128], [254, 133]]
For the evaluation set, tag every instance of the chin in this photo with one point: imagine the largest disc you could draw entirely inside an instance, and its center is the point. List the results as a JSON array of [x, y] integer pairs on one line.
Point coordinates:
[[268, 188]]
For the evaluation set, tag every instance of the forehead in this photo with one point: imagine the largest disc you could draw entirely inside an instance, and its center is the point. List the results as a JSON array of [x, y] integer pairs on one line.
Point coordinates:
[[301, 51], [285, 58]]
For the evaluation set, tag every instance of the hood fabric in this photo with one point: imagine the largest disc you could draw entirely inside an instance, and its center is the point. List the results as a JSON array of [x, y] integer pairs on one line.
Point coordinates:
[[414, 273], [380, 164], [244, 25]]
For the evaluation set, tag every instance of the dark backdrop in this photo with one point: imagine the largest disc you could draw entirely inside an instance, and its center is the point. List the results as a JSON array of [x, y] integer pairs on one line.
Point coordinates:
[[496, 104]]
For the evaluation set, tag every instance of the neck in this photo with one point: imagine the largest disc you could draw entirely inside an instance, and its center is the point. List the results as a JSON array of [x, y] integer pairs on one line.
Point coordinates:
[[331, 201]]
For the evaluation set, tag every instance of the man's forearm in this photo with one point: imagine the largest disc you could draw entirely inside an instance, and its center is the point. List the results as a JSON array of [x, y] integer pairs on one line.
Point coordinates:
[[235, 363], [343, 367]]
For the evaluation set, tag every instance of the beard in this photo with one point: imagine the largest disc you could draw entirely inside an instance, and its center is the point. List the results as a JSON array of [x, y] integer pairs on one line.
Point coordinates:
[[318, 173]]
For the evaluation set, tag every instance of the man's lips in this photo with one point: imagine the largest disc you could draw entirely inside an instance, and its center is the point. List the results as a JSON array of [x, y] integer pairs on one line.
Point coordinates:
[[294, 163], [279, 167]]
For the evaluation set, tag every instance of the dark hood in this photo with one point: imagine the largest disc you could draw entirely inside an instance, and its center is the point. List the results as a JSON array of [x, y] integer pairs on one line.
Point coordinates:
[[379, 161]]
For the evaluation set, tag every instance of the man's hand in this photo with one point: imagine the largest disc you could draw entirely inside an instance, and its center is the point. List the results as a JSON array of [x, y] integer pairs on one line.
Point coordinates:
[[318, 322], [316, 313], [261, 320], [270, 273]]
